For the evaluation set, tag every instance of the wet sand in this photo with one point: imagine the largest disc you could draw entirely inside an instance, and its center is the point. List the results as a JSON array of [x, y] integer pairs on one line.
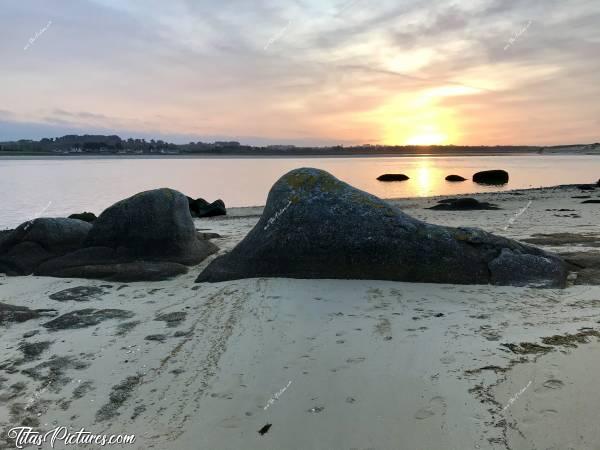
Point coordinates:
[[328, 364]]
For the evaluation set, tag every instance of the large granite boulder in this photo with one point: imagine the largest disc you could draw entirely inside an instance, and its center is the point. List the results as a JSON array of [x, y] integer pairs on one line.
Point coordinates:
[[316, 226], [151, 225], [38, 240], [149, 236]]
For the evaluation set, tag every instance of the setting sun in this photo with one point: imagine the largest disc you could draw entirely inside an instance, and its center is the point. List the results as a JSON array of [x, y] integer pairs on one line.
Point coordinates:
[[425, 127], [427, 138], [417, 119]]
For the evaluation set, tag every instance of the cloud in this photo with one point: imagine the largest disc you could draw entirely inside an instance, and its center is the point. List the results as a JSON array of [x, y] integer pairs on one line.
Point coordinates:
[[200, 68]]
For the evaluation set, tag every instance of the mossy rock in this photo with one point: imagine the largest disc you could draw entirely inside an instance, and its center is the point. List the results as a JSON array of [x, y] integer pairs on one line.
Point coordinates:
[[316, 226]]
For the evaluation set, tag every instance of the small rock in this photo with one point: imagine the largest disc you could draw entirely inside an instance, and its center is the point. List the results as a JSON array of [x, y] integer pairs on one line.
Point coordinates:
[[462, 204], [455, 178], [393, 177], [31, 333], [85, 216], [491, 177], [264, 430]]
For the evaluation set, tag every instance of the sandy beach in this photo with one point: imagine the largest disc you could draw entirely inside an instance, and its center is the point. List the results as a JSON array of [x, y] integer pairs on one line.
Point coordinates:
[[329, 364]]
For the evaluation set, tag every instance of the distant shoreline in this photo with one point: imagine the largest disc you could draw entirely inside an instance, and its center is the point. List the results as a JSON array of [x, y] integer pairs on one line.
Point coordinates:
[[32, 156], [240, 156]]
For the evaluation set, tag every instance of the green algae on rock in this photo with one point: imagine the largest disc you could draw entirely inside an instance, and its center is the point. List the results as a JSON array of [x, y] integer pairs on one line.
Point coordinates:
[[316, 226]]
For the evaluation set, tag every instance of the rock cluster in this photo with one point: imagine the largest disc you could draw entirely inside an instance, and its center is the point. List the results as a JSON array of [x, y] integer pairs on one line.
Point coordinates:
[[149, 236], [201, 208]]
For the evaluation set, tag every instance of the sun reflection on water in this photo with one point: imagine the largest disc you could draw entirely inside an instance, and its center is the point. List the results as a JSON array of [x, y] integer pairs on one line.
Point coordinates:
[[427, 177]]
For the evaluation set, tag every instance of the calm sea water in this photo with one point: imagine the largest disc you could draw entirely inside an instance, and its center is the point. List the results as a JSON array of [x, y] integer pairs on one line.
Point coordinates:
[[58, 187]]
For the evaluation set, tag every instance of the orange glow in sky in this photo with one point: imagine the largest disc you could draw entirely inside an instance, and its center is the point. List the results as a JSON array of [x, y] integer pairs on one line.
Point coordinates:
[[324, 72]]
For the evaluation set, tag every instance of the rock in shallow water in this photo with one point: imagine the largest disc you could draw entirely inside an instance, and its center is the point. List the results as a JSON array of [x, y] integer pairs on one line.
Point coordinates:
[[455, 178], [316, 226], [393, 177], [491, 177]]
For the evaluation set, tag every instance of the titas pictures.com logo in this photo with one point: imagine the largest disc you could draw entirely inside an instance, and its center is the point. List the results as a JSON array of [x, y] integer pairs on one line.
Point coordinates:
[[26, 436]]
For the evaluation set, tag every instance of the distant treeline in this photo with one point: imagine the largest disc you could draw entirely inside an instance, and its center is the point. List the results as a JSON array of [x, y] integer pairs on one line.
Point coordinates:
[[100, 144]]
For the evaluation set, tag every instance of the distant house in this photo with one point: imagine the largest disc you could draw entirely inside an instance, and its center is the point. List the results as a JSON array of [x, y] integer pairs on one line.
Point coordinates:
[[281, 147], [227, 144]]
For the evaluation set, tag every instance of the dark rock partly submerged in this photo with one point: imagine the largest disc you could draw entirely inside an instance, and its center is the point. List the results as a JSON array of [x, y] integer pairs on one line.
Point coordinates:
[[491, 177], [316, 226], [455, 178], [393, 177]]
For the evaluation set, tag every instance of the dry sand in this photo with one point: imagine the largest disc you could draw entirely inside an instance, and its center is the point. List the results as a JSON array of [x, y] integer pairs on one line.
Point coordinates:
[[330, 364]]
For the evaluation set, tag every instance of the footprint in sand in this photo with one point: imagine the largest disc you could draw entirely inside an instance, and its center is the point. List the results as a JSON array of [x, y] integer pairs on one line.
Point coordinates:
[[424, 414], [447, 359], [230, 422], [384, 327], [553, 384], [437, 405], [356, 360]]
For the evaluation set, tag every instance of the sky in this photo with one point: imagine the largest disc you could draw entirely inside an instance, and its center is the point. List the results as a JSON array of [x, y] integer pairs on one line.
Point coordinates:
[[304, 72]]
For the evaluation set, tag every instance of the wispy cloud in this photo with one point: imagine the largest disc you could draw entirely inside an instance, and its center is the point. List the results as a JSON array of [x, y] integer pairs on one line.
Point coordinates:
[[333, 70]]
